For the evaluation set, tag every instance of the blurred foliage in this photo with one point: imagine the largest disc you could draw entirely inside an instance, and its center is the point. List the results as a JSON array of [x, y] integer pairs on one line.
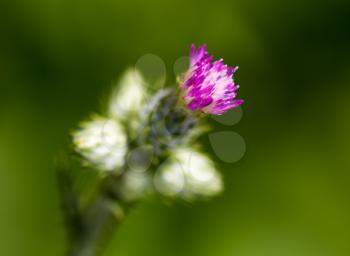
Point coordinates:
[[289, 195]]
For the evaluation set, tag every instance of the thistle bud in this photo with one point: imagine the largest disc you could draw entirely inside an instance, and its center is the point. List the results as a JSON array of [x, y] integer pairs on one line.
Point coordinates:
[[102, 143], [188, 174]]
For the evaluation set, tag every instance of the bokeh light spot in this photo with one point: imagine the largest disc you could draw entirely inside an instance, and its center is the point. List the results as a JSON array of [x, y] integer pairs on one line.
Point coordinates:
[[228, 146]]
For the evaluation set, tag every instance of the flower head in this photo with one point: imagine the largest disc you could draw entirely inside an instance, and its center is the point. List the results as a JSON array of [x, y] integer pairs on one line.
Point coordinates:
[[102, 142], [188, 174], [128, 96], [208, 85]]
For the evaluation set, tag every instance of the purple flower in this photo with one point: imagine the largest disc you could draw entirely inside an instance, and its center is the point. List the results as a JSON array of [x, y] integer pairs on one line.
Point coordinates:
[[208, 85]]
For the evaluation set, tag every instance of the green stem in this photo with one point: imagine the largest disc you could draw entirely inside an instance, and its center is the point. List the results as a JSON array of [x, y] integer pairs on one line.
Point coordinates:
[[89, 229], [99, 222]]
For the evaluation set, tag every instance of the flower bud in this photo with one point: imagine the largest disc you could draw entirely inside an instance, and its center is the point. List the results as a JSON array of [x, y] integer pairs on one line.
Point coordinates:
[[134, 185], [188, 174], [128, 96], [102, 143]]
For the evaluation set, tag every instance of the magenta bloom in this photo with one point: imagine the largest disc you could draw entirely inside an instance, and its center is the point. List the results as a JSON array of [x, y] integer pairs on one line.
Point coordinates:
[[208, 86]]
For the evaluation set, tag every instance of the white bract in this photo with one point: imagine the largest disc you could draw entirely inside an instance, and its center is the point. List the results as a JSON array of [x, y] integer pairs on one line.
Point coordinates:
[[102, 142], [188, 174], [128, 96]]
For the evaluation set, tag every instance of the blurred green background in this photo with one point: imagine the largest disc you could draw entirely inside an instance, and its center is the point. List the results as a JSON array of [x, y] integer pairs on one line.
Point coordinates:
[[289, 195]]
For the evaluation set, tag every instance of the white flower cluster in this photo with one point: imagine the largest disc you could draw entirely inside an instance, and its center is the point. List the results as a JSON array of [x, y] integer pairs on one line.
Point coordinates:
[[103, 144], [128, 96], [188, 174]]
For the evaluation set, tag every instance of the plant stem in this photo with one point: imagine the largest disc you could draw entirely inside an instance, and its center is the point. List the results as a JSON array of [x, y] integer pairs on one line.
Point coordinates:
[[89, 229], [98, 223]]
